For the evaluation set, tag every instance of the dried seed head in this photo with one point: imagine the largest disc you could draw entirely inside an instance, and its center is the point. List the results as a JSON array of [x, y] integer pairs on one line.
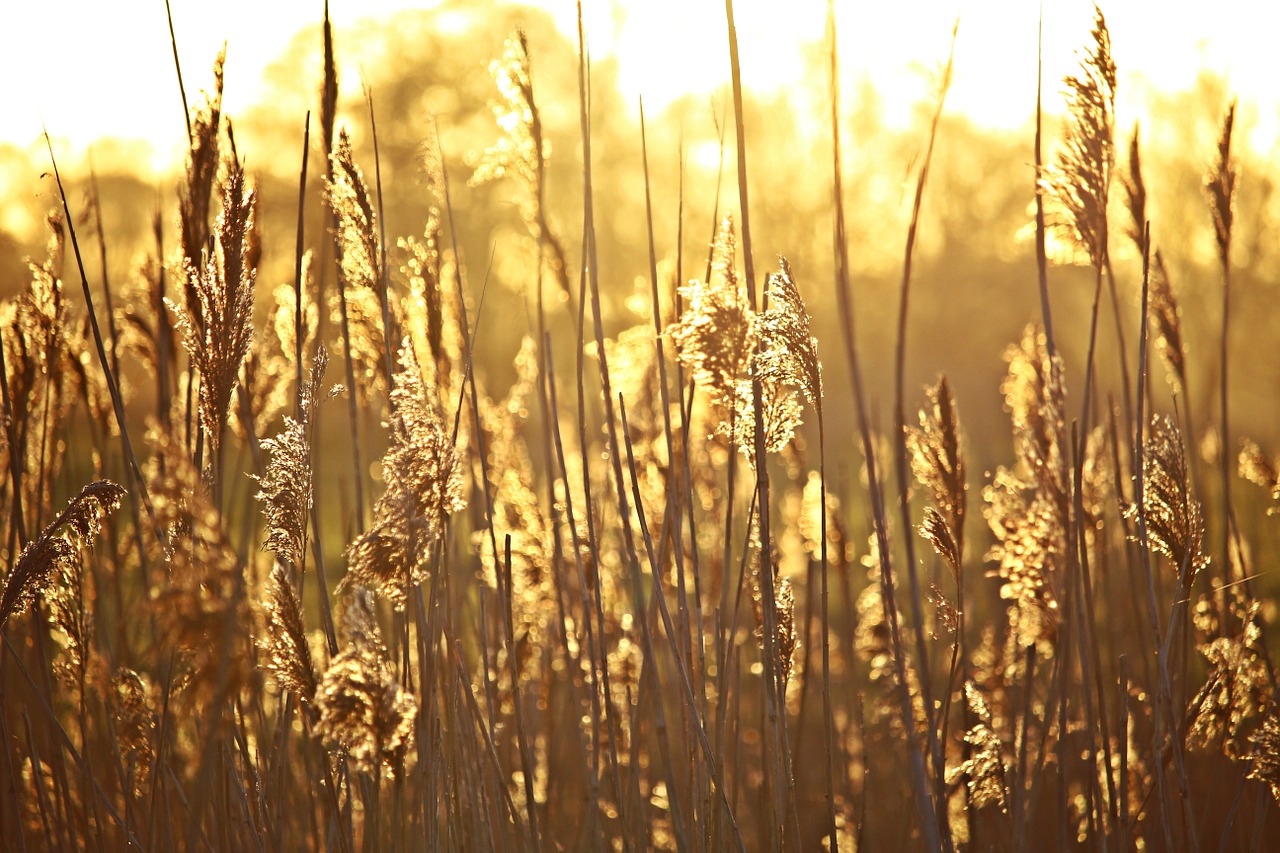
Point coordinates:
[[356, 234], [725, 346], [202, 609], [218, 332], [286, 493], [1030, 551], [985, 766], [1220, 186], [1175, 525], [1168, 319], [939, 467], [1265, 755], [53, 553], [424, 486], [197, 190], [1135, 194], [780, 415], [1027, 507], [285, 639], [935, 530], [1081, 178], [1035, 397], [520, 149], [130, 701], [360, 707], [41, 560], [1239, 688], [521, 152], [329, 86], [355, 305], [789, 352], [713, 336]]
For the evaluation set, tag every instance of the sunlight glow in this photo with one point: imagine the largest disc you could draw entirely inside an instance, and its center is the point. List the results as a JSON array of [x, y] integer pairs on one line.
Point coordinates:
[[92, 70]]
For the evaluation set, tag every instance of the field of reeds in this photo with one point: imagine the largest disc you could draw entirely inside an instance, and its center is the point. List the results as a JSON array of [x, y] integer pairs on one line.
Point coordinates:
[[308, 566]]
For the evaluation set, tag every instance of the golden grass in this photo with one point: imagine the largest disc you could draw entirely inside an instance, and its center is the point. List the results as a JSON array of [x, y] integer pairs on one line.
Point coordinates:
[[558, 612]]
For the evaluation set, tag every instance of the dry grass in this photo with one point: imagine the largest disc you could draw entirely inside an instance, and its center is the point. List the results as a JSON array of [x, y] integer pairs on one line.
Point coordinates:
[[564, 614]]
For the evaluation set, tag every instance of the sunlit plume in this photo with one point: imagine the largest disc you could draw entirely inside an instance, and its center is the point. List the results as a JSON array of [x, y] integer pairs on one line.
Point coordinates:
[[361, 708], [1027, 506], [218, 331], [423, 487]]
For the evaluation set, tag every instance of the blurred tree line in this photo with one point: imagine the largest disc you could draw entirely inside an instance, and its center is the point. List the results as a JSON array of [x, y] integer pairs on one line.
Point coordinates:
[[976, 282]]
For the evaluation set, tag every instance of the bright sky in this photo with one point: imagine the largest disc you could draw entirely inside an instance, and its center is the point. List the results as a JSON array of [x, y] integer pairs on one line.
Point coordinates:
[[90, 68]]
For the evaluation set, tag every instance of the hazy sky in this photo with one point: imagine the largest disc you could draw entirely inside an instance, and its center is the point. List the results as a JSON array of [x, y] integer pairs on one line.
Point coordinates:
[[91, 68]]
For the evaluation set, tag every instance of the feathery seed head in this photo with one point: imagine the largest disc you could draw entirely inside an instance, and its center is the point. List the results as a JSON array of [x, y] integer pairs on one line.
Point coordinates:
[[790, 352], [938, 465], [356, 234], [984, 768], [53, 552], [288, 655], [423, 474], [218, 332], [130, 702], [1175, 525], [360, 707], [1081, 180], [1265, 755], [1220, 186], [197, 191]]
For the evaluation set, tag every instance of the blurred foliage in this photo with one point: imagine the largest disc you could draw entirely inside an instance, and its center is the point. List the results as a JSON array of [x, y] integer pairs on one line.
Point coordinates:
[[975, 285]]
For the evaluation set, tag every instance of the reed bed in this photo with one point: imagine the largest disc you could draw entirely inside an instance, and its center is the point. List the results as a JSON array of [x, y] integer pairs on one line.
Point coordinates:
[[624, 602]]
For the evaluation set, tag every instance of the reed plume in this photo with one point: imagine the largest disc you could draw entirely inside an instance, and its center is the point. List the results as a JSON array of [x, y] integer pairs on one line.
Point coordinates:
[[423, 474], [131, 701], [286, 488], [724, 345], [789, 352], [426, 269], [1135, 193], [1240, 687], [1220, 188], [360, 707], [1027, 507], [1265, 755], [522, 151], [511, 480], [42, 350], [1081, 179], [284, 642], [357, 233], [1163, 302], [1175, 524], [218, 330], [196, 193], [713, 334], [202, 609], [938, 465], [328, 86], [984, 769], [56, 548], [359, 252]]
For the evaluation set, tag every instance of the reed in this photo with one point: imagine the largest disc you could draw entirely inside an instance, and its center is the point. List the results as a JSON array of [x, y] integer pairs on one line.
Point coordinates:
[[647, 589]]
